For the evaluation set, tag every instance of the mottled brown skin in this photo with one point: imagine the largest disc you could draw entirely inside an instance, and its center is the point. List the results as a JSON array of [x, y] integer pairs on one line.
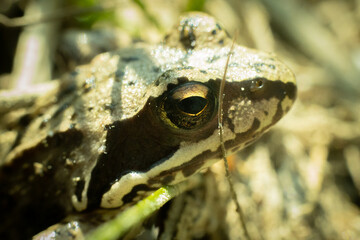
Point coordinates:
[[105, 133]]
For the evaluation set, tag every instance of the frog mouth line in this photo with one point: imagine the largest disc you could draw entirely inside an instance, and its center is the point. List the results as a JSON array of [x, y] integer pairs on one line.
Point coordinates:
[[196, 163]]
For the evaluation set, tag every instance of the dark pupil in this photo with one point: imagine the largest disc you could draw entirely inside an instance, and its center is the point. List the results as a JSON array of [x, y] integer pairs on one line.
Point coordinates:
[[192, 105]]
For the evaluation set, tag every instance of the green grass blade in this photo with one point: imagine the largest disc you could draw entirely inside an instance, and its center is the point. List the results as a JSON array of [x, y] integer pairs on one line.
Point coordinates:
[[137, 213]]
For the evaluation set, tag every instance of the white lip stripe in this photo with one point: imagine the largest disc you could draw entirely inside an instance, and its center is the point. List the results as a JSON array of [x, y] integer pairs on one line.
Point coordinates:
[[113, 197]]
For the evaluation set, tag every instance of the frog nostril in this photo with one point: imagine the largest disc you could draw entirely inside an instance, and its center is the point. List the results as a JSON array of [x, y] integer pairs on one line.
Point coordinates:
[[257, 85]]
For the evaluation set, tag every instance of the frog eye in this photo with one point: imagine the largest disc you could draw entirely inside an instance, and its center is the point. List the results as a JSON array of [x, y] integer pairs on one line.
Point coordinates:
[[188, 106]]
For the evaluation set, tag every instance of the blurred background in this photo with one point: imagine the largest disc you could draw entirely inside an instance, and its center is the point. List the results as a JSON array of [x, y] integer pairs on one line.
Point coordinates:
[[302, 179]]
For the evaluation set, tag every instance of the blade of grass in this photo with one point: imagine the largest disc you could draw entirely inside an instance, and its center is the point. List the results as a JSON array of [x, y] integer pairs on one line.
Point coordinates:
[[143, 209], [222, 145]]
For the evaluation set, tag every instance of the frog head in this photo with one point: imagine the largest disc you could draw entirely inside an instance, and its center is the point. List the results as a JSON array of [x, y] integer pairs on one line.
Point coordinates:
[[175, 133]]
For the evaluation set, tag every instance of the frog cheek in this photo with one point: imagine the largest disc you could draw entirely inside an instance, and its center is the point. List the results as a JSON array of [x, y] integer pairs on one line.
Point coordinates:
[[281, 93], [252, 106]]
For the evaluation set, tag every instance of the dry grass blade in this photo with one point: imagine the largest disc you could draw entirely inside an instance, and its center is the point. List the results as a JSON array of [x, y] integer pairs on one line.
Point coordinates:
[[223, 150]]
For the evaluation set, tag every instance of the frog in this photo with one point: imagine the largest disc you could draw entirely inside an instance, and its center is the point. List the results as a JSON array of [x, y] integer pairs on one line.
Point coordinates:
[[132, 120]]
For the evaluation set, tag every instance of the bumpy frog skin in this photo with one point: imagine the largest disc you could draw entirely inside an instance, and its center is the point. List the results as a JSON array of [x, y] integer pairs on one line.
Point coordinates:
[[135, 119]]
